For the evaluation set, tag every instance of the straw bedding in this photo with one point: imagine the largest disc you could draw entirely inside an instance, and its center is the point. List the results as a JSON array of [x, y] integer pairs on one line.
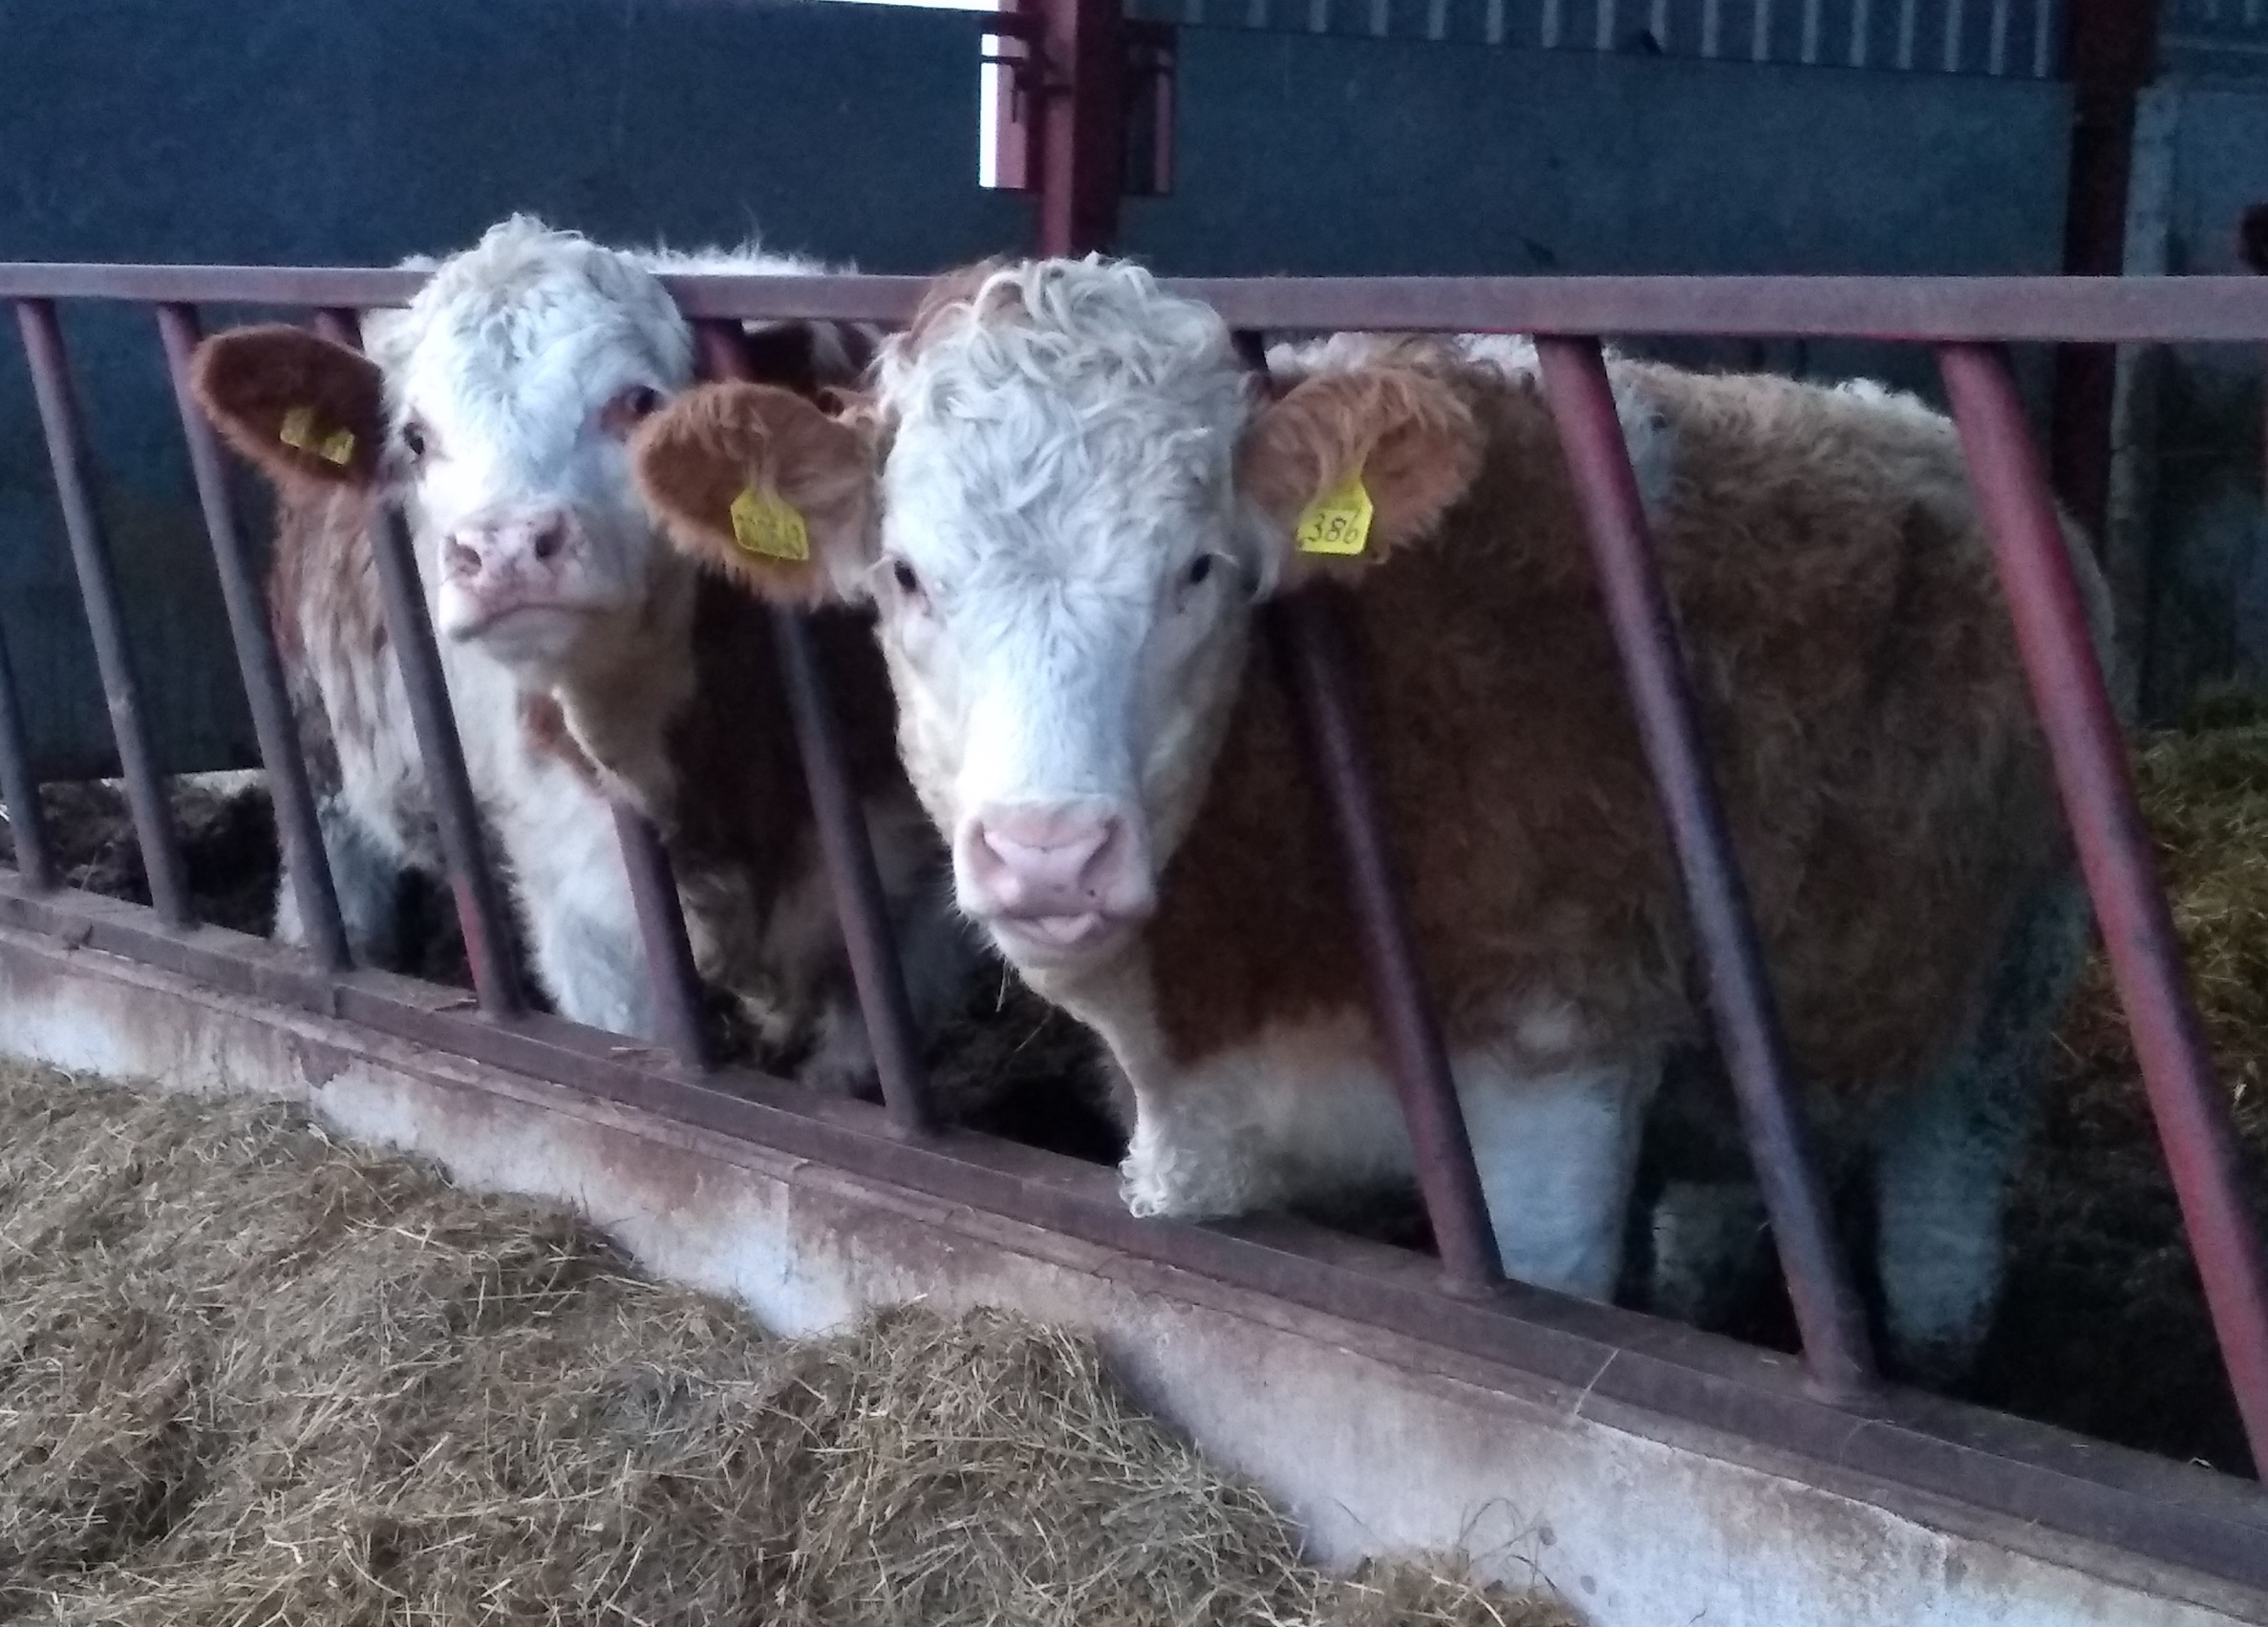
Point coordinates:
[[249, 1375], [2104, 1326]]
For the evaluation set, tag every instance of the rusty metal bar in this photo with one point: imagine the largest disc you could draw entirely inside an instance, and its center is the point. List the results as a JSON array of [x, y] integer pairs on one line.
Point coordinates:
[[98, 594], [2114, 853], [1081, 128], [1827, 1311], [409, 628], [2108, 53], [661, 929], [480, 905], [297, 829], [844, 845], [2215, 310], [1311, 628], [20, 786]]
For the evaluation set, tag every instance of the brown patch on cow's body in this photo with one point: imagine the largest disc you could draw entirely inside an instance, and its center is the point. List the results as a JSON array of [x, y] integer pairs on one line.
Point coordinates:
[[545, 724], [1863, 705]]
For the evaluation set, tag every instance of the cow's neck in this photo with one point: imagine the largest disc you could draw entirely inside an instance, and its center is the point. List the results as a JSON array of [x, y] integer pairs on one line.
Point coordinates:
[[627, 687]]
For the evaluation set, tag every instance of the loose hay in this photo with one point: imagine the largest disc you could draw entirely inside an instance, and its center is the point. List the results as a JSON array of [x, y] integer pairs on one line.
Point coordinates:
[[2104, 1328], [248, 1376]]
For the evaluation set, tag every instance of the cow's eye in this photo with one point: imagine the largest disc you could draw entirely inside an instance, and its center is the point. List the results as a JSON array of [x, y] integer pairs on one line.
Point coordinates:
[[1200, 569], [628, 409], [413, 439], [908, 583]]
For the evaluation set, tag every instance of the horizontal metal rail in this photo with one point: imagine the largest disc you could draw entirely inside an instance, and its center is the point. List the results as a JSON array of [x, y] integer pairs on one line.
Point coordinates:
[[2232, 310]]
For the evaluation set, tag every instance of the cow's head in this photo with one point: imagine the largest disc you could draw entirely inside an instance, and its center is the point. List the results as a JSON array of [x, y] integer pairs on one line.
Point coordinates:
[[497, 409], [1065, 498]]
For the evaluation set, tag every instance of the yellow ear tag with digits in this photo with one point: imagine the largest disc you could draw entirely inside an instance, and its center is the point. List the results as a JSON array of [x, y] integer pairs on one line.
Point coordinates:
[[1338, 522], [764, 523], [299, 430]]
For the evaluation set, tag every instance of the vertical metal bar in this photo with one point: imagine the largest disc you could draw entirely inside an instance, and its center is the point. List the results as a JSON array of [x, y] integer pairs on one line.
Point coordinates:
[[661, 927], [1740, 1000], [480, 905], [1308, 631], [19, 785], [2110, 51], [2114, 853], [409, 628], [1310, 628], [843, 841], [98, 594], [263, 669], [1081, 127]]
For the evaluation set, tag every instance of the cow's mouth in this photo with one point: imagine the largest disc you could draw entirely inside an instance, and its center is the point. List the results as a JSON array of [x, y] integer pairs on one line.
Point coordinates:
[[1050, 941]]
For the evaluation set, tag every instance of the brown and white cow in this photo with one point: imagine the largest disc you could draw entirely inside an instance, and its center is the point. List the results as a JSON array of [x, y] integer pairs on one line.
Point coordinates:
[[586, 659], [1067, 499]]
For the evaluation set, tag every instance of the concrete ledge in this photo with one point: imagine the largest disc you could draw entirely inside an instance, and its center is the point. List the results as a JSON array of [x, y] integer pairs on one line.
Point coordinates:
[[1376, 1438]]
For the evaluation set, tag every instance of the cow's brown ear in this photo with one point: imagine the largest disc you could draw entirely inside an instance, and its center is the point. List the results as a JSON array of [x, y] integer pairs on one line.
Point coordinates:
[[1351, 465], [764, 487], [310, 413]]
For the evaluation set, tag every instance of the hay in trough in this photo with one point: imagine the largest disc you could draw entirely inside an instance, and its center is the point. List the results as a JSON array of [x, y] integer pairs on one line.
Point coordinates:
[[2104, 1328], [249, 1375]]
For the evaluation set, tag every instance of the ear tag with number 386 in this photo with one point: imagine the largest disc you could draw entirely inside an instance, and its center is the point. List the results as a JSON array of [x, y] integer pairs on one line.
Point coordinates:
[[1338, 522]]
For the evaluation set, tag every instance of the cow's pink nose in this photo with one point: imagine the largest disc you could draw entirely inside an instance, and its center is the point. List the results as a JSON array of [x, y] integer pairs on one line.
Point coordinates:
[[524, 545], [1055, 864]]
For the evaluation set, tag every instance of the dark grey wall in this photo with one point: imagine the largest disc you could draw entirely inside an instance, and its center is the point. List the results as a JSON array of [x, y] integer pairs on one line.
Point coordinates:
[[2202, 162], [1337, 155], [343, 132]]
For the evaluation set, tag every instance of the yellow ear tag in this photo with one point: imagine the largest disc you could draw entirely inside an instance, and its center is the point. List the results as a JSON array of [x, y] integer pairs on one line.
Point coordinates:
[[1338, 522], [764, 523], [299, 430]]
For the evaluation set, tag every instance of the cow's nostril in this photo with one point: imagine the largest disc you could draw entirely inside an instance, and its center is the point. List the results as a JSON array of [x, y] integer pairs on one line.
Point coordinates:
[[550, 539], [462, 559]]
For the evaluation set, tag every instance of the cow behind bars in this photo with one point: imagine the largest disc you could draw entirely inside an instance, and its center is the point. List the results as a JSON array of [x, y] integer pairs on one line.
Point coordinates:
[[1067, 499], [585, 659]]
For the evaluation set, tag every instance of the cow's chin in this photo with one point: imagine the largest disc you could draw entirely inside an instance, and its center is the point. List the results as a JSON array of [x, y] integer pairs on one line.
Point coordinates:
[[530, 635], [1061, 946]]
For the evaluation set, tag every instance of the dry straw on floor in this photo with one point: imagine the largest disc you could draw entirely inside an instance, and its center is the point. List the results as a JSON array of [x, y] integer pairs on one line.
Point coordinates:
[[248, 1376], [2104, 1328]]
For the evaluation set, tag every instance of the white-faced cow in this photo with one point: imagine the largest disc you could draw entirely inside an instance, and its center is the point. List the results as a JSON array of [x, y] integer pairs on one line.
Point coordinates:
[[585, 658], [1067, 498]]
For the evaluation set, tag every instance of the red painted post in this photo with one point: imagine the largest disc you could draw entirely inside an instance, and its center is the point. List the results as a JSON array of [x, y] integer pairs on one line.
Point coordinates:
[[1081, 124], [2192, 1115], [2109, 50]]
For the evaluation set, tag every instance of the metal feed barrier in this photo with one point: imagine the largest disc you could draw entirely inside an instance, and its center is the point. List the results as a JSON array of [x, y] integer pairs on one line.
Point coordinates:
[[1832, 1407]]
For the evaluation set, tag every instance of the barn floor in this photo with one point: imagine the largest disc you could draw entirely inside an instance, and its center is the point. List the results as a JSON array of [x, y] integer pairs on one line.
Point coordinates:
[[2102, 1328], [249, 1374]]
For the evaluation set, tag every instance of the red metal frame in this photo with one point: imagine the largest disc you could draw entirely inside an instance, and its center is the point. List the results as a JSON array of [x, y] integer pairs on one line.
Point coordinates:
[[2192, 1117], [2108, 53]]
